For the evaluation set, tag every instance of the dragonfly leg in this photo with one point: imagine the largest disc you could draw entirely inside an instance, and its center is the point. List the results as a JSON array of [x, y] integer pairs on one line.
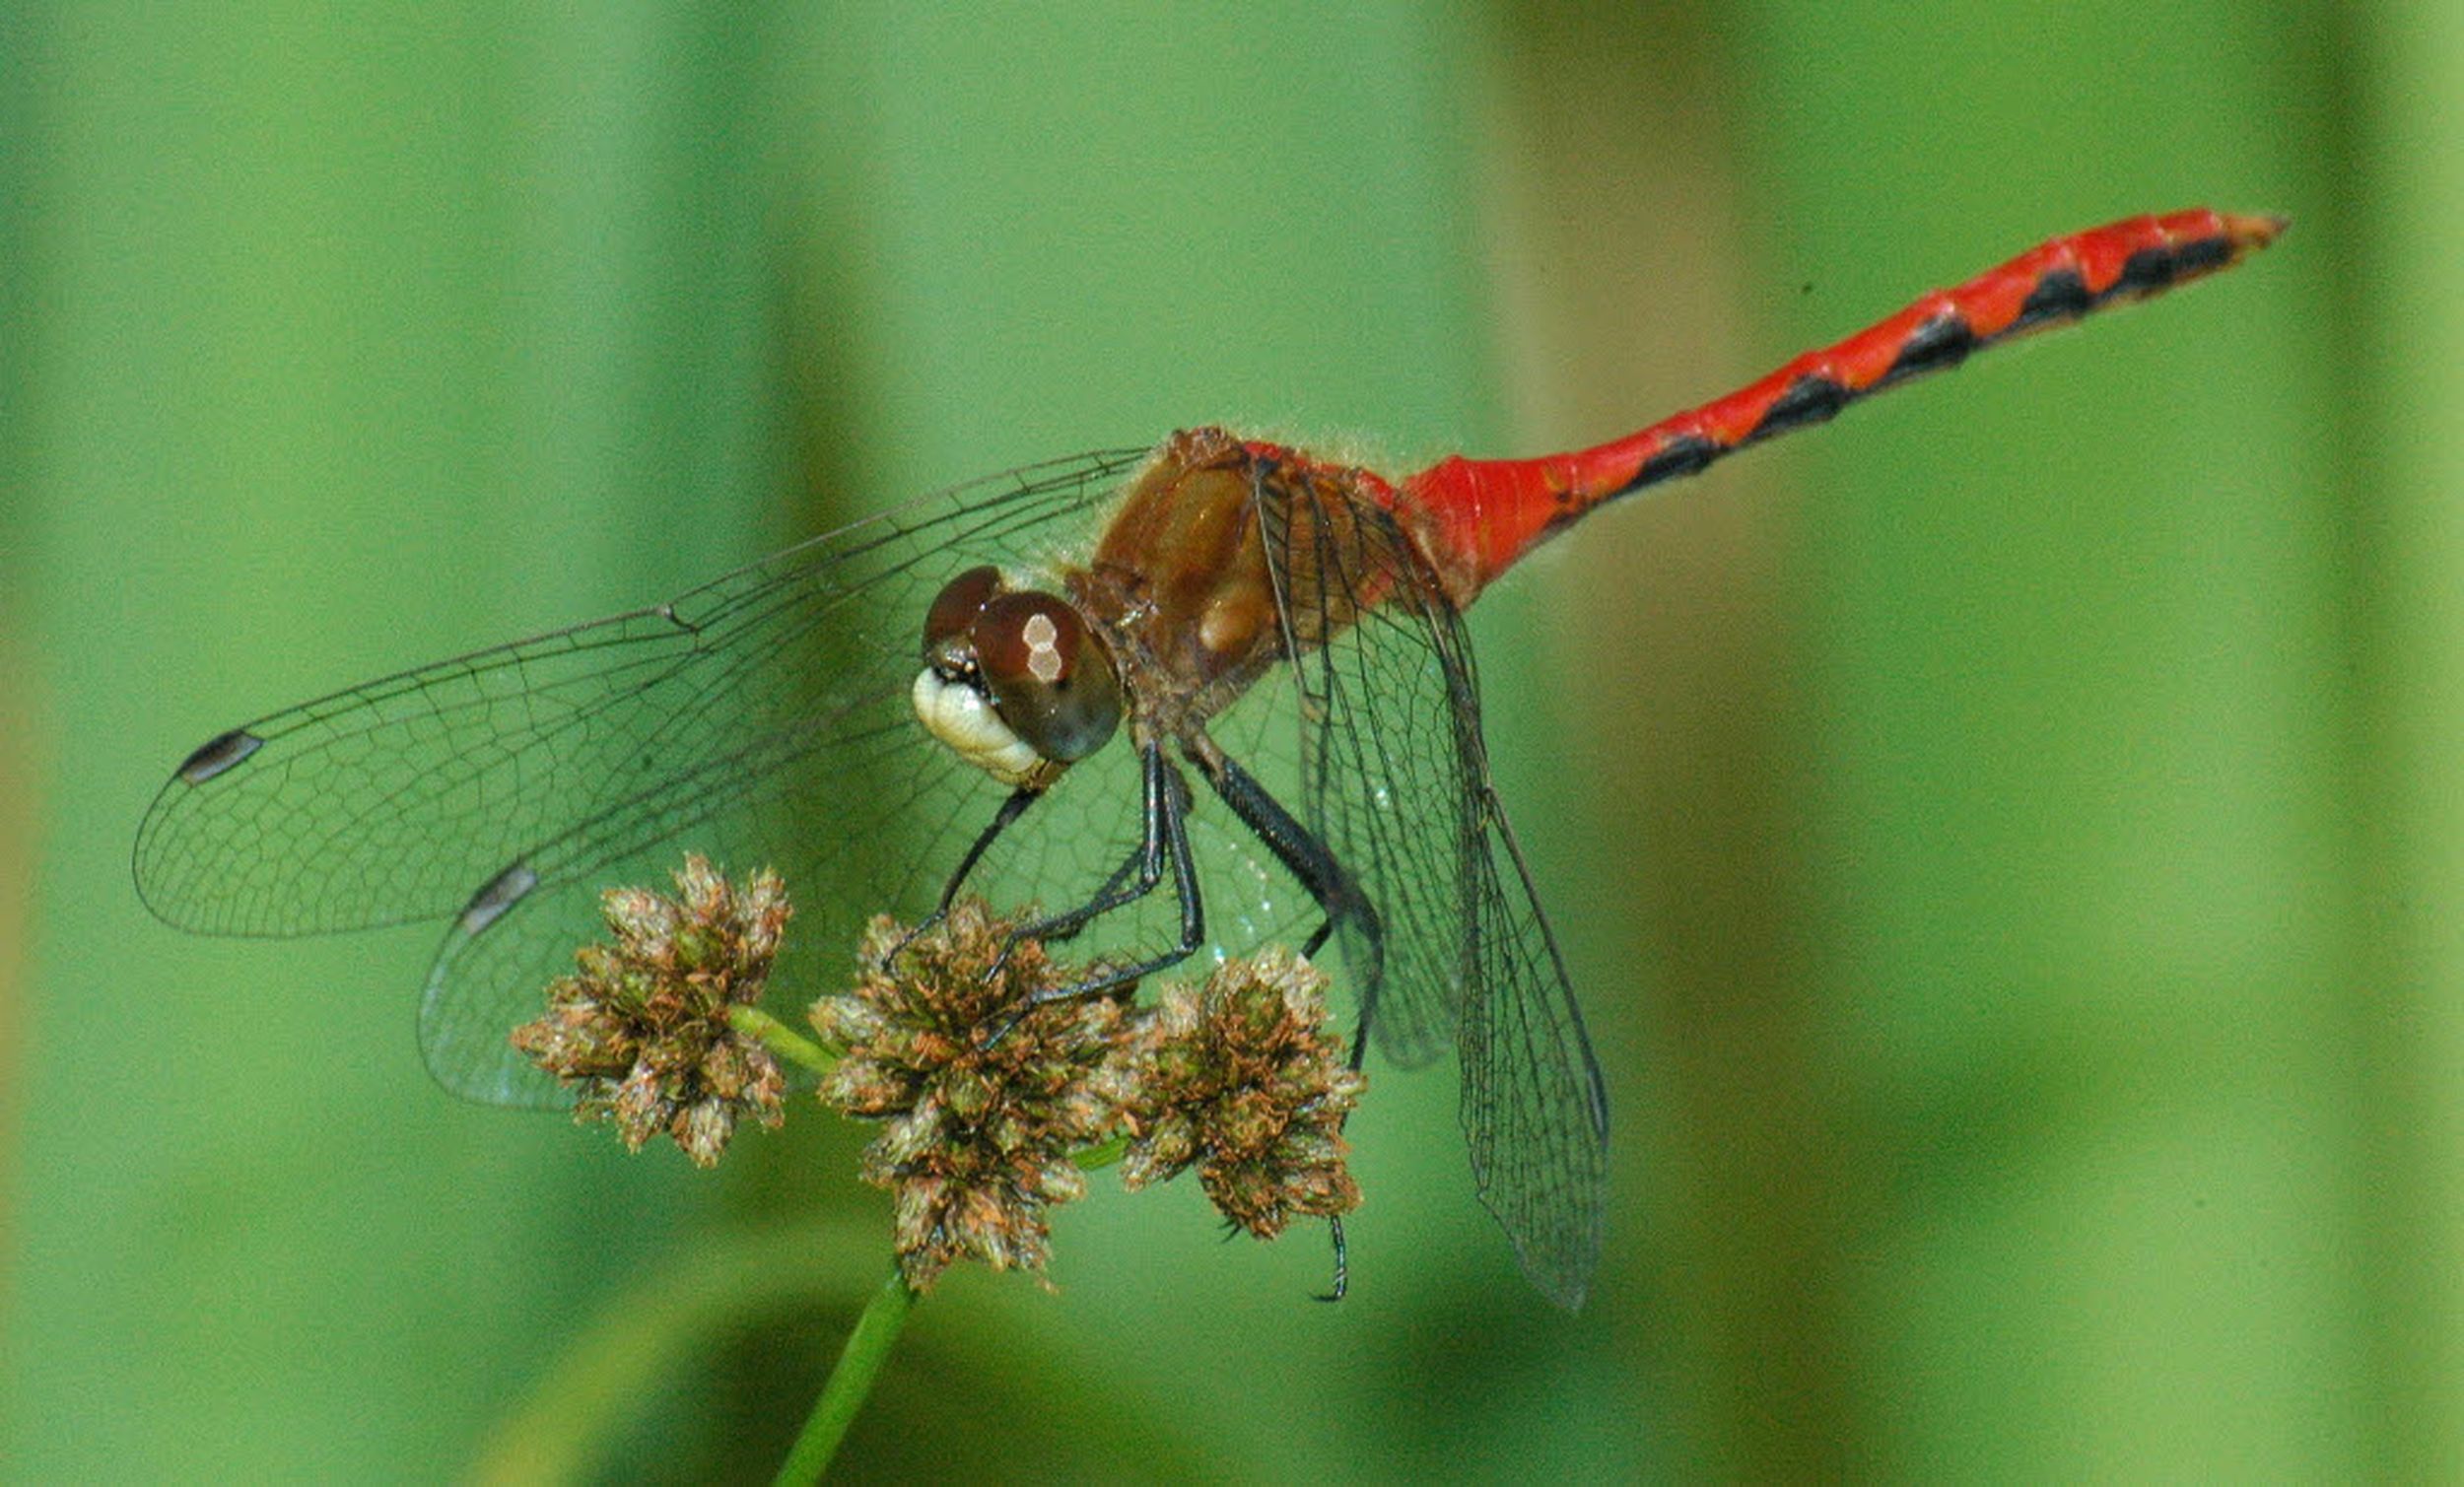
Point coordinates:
[[1137, 876], [1164, 847], [1011, 809], [1308, 860], [1109, 893], [1342, 1261]]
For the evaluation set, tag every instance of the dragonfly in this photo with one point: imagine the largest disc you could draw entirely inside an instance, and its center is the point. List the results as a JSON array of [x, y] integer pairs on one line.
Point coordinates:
[[930, 698]]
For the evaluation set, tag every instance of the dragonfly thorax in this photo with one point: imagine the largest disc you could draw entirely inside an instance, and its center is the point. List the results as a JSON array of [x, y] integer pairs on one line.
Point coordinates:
[[1015, 681]]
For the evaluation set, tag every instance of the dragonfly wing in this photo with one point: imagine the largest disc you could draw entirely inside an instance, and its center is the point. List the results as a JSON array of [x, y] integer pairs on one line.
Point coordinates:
[[1379, 776], [1534, 1110], [761, 719], [835, 806], [1395, 779]]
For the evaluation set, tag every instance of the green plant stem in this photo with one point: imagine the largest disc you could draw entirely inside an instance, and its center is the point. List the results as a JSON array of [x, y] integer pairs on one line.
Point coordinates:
[[780, 1039], [850, 1382], [579, 1410]]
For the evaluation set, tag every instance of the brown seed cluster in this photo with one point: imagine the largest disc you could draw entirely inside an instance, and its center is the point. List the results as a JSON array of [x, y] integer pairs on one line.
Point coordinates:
[[641, 1029], [989, 1099], [984, 1097], [1243, 1080]]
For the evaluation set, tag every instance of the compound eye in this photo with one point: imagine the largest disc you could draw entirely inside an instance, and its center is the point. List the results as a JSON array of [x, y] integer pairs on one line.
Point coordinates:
[[955, 608], [1051, 679]]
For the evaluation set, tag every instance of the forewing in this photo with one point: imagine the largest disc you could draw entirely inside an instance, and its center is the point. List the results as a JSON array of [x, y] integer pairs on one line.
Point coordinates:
[[761, 719]]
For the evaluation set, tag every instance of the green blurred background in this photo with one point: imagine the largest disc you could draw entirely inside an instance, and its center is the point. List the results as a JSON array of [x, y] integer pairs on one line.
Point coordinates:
[[2010, 843]]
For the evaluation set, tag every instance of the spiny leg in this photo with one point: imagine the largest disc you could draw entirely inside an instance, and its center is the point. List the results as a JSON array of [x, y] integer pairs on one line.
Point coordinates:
[[1342, 1260], [1164, 843], [1138, 874], [1110, 885], [1310, 860]]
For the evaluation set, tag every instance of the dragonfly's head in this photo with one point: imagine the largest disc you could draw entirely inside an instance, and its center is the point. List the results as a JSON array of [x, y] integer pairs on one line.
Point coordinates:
[[1016, 681]]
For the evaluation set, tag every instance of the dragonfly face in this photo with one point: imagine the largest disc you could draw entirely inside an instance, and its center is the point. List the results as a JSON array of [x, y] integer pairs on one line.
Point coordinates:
[[1015, 681]]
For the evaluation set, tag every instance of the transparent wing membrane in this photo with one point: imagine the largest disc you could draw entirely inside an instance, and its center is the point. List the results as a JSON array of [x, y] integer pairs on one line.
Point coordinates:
[[761, 720], [1393, 778]]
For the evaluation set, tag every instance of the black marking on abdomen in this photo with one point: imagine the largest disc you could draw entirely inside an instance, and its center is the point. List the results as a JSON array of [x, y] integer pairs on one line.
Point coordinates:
[[2145, 272], [1942, 342], [2059, 295], [1811, 399], [218, 753], [1687, 455], [2201, 256]]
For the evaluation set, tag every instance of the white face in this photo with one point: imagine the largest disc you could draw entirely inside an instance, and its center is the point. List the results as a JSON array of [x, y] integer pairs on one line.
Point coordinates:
[[960, 716]]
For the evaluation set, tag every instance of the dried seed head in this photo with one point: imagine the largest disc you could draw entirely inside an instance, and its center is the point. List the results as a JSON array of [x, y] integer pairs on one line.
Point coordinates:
[[983, 1097], [1244, 1080], [641, 1029]]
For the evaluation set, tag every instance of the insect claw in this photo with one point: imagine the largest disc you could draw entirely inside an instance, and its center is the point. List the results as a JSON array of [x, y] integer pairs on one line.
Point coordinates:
[[1343, 1265], [1001, 961], [1008, 1026]]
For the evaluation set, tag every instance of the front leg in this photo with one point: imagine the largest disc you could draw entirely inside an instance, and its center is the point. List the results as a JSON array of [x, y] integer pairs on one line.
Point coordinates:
[[1163, 846], [1011, 809], [1137, 876]]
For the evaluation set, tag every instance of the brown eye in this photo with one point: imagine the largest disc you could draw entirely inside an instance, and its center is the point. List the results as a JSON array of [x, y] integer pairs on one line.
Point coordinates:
[[1051, 679], [955, 607]]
